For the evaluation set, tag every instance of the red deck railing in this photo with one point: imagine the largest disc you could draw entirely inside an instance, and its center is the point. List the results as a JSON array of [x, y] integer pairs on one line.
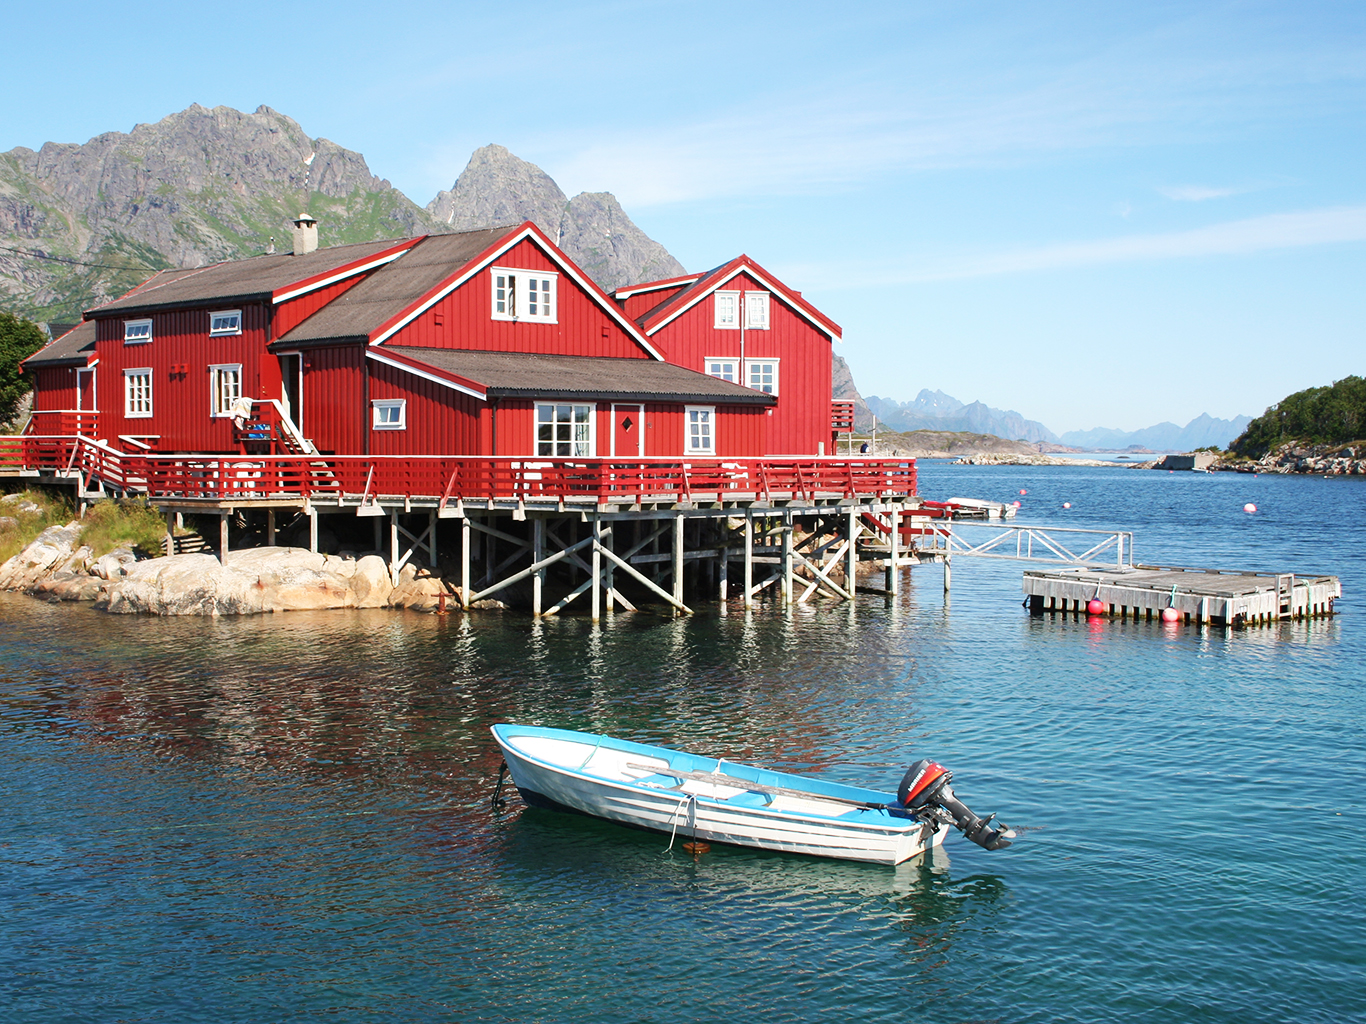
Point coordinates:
[[62, 422], [451, 478], [842, 417]]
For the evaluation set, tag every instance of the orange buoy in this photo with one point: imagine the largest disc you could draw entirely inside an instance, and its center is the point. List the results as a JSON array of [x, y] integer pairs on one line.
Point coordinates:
[[697, 848], [1095, 606], [1170, 615]]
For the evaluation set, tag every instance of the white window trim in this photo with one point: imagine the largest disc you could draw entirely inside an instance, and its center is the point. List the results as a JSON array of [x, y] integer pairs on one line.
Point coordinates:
[[716, 311], [137, 371], [521, 275], [768, 310], [688, 410], [401, 404], [592, 428], [214, 370], [129, 324], [733, 360], [225, 312], [776, 375]]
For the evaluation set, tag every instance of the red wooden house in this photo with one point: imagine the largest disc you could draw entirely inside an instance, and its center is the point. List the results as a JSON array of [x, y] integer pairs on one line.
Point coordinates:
[[488, 342]]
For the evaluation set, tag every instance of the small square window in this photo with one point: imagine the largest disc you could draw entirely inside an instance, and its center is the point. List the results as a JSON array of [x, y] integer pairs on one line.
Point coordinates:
[[137, 332], [762, 375], [564, 431], [723, 369], [227, 322], [390, 413]]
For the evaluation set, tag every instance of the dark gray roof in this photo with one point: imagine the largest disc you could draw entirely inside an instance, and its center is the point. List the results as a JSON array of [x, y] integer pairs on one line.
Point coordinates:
[[393, 288], [72, 349], [252, 278], [531, 375]]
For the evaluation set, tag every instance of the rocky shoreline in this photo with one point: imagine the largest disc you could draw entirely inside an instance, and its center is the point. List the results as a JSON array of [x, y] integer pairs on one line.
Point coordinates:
[[55, 567], [1329, 460]]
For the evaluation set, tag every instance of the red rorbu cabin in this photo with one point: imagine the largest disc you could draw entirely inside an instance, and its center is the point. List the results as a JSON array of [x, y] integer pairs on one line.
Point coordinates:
[[488, 342]]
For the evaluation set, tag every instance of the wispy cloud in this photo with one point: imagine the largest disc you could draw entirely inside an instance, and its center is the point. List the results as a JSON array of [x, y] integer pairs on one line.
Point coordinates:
[[1239, 237], [1200, 193]]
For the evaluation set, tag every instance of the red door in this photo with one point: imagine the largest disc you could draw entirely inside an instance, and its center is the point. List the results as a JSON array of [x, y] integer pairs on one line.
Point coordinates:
[[628, 422]]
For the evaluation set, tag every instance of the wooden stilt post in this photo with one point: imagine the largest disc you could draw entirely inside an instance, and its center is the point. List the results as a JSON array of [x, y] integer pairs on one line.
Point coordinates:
[[789, 581], [678, 560], [270, 527], [313, 529], [723, 569], [894, 552], [851, 556], [431, 538], [609, 576], [465, 541], [948, 570], [170, 532], [379, 536], [749, 560], [393, 544], [597, 568], [537, 553], [223, 537]]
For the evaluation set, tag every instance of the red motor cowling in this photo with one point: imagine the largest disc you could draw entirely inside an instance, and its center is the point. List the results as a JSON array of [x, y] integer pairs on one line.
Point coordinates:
[[925, 788]]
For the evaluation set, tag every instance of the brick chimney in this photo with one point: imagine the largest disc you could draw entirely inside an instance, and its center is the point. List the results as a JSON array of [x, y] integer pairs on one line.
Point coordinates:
[[305, 235]]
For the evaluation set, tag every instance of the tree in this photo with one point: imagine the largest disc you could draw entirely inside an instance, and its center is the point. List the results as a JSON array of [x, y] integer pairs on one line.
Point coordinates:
[[1329, 415], [19, 339]]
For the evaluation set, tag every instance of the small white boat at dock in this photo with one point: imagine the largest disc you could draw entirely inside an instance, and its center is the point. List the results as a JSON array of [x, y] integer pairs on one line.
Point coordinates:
[[698, 798]]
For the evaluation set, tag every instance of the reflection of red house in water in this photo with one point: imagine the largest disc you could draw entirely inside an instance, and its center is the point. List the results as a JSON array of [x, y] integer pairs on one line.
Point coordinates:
[[486, 343]]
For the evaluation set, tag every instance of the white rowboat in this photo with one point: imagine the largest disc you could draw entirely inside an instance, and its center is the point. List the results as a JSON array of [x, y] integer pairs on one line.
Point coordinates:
[[692, 797]]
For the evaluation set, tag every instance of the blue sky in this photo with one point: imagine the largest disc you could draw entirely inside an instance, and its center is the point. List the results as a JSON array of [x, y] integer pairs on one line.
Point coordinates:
[[1095, 214]]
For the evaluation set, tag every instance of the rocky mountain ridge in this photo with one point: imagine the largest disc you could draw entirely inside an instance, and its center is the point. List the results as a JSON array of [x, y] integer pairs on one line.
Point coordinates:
[[89, 221], [936, 411]]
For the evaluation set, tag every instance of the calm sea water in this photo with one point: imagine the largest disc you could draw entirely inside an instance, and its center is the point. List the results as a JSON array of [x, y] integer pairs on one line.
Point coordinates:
[[286, 819]]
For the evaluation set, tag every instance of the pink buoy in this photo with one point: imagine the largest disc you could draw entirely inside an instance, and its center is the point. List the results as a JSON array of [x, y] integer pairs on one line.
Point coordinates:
[[1170, 615], [1066, 504], [1095, 606], [1249, 508], [1015, 503], [1023, 491]]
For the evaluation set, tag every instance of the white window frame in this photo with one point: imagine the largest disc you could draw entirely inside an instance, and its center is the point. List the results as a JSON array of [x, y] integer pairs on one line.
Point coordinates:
[[130, 396], [710, 364], [520, 287], [579, 448], [387, 405], [137, 332], [216, 373], [751, 365], [718, 309], [708, 434], [757, 302], [216, 332]]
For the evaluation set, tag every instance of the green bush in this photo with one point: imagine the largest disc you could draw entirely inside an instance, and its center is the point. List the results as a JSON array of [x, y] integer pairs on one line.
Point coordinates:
[[19, 339], [1331, 415], [129, 523], [26, 525]]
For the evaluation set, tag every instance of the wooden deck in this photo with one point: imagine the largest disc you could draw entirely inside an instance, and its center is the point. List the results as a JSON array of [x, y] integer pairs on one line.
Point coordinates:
[[1220, 597]]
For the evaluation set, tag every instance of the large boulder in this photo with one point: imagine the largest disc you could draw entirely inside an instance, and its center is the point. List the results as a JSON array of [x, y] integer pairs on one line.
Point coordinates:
[[370, 582], [50, 550]]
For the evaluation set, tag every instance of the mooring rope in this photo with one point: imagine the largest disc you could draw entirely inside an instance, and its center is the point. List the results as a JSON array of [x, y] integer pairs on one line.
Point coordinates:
[[687, 799]]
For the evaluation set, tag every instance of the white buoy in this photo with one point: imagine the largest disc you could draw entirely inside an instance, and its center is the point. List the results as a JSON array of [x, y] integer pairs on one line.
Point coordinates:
[[1249, 508], [1066, 504]]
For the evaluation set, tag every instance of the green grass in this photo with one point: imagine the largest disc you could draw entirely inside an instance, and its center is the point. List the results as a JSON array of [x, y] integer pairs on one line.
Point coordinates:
[[54, 511], [129, 523]]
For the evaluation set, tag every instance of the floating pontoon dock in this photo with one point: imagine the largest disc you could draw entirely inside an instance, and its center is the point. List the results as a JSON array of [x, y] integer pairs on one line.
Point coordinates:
[[1221, 597]]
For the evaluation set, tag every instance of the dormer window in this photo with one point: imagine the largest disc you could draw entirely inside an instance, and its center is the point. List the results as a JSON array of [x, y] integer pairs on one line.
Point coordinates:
[[524, 295], [137, 332], [226, 322]]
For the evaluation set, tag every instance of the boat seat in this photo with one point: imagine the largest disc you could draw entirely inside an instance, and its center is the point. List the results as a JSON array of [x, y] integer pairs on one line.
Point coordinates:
[[751, 799], [657, 781]]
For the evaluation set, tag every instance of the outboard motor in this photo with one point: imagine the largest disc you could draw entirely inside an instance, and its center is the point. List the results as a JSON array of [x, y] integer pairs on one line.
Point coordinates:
[[926, 793]]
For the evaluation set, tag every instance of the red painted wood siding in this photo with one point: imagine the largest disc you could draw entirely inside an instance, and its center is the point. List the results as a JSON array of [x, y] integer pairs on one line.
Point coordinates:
[[181, 409], [54, 387], [638, 305], [440, 421], [800, 423], [334, 404], [464, 318], [289, 315]]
